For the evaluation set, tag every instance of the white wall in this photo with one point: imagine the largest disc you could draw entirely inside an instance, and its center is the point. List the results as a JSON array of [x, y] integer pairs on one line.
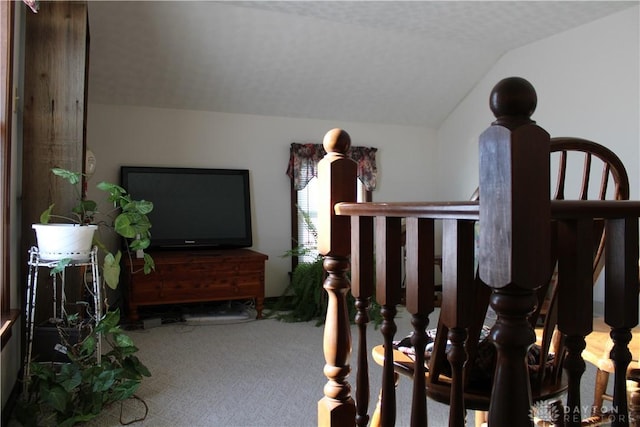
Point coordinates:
[[123, 135], [587, 81]]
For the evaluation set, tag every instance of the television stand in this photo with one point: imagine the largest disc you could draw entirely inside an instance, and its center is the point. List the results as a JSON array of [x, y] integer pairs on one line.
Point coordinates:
[[192, 275]]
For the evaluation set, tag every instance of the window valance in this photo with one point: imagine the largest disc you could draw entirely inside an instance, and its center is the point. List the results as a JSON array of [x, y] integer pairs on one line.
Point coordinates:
[[34, 5], [304, 158]]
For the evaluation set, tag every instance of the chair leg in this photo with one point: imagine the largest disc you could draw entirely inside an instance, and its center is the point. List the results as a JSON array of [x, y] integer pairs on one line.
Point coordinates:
[[375, 418], [634, 403], [481, 418], [600, 390]]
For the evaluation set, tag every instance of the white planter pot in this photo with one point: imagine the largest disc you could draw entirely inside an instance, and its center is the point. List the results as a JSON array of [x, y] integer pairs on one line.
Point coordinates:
[[60, 241]]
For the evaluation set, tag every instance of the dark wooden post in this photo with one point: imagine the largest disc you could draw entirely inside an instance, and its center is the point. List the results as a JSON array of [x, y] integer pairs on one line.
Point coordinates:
[[54, 120], [337, 407], [575, 278], [388, 280], [457, 305], [420, 286], [362, 277], [621, 303], [514, 248]]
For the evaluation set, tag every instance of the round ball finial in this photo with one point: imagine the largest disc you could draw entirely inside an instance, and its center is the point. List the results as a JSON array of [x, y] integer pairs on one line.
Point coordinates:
[[336, 140], [513, 97]]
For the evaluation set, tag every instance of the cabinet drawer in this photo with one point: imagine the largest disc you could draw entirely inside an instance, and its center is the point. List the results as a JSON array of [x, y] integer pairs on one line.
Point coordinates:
[[211, 278], [209, 292], [198, 268], [189, 276], [190, 289], [142, 294], [205, 285]]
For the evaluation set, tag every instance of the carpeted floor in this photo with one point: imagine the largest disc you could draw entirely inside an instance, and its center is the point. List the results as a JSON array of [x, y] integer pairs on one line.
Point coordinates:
[[262, 373]]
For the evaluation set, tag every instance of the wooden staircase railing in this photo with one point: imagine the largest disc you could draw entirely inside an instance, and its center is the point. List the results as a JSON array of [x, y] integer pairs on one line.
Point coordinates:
[[514, 217]]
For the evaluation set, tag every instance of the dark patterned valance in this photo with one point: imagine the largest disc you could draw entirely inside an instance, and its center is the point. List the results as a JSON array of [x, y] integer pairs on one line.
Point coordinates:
[[304, 158], [34, 5]]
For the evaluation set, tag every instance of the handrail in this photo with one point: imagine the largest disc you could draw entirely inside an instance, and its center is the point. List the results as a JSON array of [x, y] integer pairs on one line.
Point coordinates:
[[560, 209], [434, 210], [622, 217]]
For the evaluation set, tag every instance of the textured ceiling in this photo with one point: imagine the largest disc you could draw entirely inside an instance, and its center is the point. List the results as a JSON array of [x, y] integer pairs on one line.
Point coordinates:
[[392, 62]]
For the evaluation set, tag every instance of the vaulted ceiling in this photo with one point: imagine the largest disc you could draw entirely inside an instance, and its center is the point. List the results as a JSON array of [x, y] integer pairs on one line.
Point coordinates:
[[392, 62]]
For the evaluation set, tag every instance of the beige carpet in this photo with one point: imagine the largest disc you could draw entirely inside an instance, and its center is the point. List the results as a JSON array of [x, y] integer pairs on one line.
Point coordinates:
[[261, 373]]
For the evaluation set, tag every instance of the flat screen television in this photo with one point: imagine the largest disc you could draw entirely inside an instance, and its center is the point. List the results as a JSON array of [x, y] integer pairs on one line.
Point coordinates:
[[194, 207]]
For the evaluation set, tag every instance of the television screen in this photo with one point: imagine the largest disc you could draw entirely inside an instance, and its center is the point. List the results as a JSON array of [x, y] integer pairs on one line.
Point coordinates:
[[194, 207]]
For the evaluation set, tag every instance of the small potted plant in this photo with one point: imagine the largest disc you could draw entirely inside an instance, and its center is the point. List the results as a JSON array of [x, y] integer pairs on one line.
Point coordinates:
[[128, 219]]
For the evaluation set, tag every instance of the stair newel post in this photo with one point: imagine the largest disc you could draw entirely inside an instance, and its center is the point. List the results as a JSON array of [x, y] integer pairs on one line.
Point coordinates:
[[336, 408], [514, 252]]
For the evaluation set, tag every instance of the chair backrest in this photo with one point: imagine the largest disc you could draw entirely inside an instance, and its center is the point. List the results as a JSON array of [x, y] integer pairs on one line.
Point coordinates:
[[585, 170], [611, 169]]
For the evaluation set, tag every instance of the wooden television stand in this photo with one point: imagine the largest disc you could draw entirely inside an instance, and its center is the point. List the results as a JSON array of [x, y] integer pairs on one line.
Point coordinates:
[[192, 275]]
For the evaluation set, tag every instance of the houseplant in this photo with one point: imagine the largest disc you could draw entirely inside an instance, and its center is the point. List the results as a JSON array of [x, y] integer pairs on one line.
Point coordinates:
[[305, 298], [75, 392], [128, 219]]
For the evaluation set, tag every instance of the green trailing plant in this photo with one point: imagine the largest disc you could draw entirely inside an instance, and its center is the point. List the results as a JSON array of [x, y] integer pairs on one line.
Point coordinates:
[[128, 219], [75, 392], [305, 299]]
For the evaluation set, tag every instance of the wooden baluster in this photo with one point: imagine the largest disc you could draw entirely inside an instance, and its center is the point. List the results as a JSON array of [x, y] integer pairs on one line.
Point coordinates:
[[337, 407], [621, 303], [362, 290], [420, 289], [575, 289], [514, 248], [457, 305], [388, 242]]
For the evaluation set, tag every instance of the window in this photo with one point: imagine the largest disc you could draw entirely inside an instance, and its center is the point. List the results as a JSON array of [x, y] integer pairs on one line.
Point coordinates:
[[6, 49], [302, 170], [306, 204]]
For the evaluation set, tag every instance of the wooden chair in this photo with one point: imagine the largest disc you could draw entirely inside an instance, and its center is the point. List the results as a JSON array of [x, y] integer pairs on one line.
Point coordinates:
[[598, 344], [545, 366]]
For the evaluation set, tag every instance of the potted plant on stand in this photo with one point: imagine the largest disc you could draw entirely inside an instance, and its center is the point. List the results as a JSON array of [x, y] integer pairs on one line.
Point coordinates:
[[128, 219], [76, 391]]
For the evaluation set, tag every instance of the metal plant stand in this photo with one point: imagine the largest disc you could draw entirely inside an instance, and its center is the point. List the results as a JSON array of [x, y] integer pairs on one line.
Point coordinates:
[[92, 288]]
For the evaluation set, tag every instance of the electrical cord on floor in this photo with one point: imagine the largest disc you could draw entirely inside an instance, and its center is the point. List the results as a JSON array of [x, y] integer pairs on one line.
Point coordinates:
[[146, 411]]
